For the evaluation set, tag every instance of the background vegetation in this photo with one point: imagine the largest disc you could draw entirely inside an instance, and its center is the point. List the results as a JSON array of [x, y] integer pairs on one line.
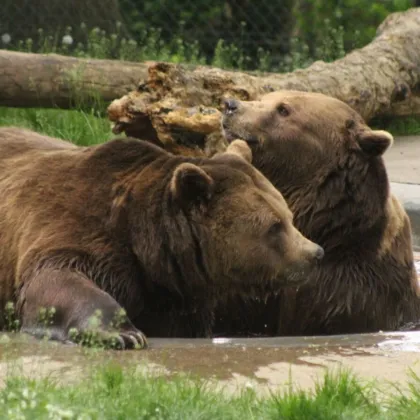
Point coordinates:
[[266, 35]]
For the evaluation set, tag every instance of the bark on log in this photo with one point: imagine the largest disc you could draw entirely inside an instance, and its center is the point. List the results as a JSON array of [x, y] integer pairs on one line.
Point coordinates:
[[179, 104], [47, 80]]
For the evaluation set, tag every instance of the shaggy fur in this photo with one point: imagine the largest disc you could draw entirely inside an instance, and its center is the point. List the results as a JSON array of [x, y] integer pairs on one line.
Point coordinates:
[[127, 225], [328, 165]]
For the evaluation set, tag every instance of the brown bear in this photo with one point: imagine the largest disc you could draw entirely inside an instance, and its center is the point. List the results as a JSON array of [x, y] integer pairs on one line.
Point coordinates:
[[128, 225], [327, 163]]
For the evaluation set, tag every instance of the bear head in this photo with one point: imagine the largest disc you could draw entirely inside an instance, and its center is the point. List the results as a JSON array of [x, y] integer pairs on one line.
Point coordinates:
[[217, 220], [321, 155]]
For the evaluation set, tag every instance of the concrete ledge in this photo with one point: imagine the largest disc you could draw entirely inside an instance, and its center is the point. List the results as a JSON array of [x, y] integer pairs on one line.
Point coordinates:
[[409, 195], [402, 160]]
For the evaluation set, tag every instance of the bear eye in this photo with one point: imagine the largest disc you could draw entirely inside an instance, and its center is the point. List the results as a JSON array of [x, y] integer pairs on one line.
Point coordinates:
[[275, 228], [283, 110]]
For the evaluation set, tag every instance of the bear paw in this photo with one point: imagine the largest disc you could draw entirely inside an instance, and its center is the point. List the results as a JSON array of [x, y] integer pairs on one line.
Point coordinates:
[[118, 340]]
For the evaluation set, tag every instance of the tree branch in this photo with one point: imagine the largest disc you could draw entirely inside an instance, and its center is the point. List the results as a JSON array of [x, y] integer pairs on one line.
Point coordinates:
[[46, 80]]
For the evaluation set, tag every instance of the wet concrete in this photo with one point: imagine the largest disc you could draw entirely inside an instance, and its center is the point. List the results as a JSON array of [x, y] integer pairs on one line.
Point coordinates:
[[264, 364]]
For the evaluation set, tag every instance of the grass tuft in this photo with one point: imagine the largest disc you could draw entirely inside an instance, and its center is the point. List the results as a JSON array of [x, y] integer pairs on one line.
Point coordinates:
[[83, 127], [113, 392]]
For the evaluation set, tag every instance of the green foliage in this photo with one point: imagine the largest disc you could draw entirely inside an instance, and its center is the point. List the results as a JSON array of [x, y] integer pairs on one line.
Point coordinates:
[[246, 26], [112, 392], [227, 35], [11, 321], [399, 126], [336, 397], [406, 405], [356, 20], [83, 127], [97, 43]]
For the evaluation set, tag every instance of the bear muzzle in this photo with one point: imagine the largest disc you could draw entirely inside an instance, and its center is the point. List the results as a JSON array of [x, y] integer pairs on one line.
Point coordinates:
[[230, 106]]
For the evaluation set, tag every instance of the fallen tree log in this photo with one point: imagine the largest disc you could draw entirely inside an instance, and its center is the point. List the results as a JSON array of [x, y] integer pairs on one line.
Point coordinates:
[[178, 104], [50, 80]]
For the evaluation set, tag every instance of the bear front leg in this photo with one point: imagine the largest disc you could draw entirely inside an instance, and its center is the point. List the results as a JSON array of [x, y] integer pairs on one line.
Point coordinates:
[[66, 306]]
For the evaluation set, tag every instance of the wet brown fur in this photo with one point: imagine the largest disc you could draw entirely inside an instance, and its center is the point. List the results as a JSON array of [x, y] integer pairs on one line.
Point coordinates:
[[126, 224], [328, 165]]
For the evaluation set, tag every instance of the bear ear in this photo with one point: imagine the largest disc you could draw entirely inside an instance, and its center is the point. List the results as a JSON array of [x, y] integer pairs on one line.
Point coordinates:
[[240, 148], [191, 185], [375, 142]]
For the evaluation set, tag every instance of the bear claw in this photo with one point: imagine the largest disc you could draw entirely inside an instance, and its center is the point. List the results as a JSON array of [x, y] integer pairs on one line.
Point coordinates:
[[118, 340], [133, 340]]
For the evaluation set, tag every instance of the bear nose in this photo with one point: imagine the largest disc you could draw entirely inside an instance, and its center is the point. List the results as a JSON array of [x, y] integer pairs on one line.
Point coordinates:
[[319, 253], [231, 105]]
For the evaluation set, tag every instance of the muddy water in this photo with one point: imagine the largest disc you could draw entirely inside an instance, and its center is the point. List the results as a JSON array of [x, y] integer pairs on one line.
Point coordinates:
[[261, 363]]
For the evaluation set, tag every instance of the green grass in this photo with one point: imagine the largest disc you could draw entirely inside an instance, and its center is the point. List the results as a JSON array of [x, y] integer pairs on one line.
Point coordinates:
[[80, 126], [402, 126], [113, 392], [148, 45]]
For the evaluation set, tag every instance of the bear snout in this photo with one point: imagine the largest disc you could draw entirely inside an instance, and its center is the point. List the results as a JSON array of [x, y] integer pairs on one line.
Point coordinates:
[[313, 252], [230, 106], [319, 253]]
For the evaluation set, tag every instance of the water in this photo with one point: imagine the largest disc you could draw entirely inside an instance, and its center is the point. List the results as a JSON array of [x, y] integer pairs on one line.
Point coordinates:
[[264, 364]]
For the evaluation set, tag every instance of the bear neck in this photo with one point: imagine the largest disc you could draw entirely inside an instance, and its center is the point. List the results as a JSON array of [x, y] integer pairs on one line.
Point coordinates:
[[164, 242], [342, 206], [169, 246]]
